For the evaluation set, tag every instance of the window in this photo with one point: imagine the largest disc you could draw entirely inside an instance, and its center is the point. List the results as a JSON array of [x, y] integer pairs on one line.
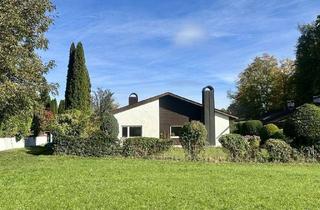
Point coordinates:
[[175, 131], [131, 131]]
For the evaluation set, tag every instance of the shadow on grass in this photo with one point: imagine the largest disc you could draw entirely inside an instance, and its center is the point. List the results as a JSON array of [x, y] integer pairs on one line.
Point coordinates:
[[39, 150]]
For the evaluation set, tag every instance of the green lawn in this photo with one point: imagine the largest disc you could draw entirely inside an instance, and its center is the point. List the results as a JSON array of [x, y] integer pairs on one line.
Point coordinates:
[[49, 182]]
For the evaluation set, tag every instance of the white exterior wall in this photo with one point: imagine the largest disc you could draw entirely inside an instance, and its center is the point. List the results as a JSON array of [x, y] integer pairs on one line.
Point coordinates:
[[146, 115], [222, 127], [11, 143]]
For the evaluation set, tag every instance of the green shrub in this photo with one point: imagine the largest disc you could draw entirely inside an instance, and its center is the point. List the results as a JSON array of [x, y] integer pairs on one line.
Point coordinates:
[[74, 123], [310, 153], [304, 125], [254, 146], [237, 146], [109, 125], [98, 145], [271, 131], [145, 146], [237, 127], [251, 127], [263, 156], [279, 150], [193, 138]]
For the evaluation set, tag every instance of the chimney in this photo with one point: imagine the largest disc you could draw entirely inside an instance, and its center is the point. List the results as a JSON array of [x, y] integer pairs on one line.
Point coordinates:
[[208, 113], [133, 98]]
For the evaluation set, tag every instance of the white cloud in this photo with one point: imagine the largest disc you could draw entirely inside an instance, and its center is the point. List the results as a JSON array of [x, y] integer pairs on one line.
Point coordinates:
[[189, 35]]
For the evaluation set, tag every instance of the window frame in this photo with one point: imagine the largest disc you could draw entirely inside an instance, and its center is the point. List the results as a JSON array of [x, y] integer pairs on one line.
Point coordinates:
[[174, 137], [128, 130]]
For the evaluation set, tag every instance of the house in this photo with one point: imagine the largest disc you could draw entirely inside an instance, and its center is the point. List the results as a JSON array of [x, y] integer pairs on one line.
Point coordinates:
[[163, 116]]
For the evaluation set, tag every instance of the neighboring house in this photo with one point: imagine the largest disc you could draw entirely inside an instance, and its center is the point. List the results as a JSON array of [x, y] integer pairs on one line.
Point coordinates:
[[164, 115]]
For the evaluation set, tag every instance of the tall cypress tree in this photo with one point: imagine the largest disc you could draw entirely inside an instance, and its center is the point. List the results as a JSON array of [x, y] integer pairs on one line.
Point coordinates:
[[78, 82], [62, 107], [69, 93]]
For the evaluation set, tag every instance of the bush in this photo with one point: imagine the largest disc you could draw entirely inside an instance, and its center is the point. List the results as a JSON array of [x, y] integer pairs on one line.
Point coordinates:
[[271, 131], [145, 146], [251, 127], [279, 150], [254, 146], [98, 145], [193, 138], [74, 123], [237, 127], [303, 125], [237, 146], [109, 125], [263, 156], [310, 153], [16, 126]]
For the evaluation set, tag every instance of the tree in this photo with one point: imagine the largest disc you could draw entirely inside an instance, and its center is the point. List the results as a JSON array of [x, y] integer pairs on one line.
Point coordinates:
[[54, 106], [61, 108], [78, 88], [307, 76], [103, 102], [22, 72], [264, 86], [70, 86]]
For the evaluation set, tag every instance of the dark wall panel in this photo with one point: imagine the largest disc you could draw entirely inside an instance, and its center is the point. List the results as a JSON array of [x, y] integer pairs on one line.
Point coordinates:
[[176, 112]]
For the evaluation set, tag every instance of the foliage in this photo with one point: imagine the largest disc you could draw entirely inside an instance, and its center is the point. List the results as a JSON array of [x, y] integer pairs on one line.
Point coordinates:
[[61, 108], [303, 125], [78, 88], [98, 144], [18, 126], [145, 146], [252, 127], [307, 76], [279, 150], [23, 25], [310, 153], [109, 125], [42, 121], [54, 106], [237, 146], [193, 138], [264, 86], [271, 131], [74, 123], [254, 146], [103, 102]]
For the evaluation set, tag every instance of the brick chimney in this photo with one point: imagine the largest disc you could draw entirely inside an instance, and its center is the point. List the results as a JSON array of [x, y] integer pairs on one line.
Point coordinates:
[[133, 98]]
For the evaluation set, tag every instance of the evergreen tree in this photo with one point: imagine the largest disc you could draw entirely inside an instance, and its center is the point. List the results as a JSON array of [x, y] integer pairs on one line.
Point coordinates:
[[61, 107], [54, 106], [69, 93], [307, 76], [78, 87]]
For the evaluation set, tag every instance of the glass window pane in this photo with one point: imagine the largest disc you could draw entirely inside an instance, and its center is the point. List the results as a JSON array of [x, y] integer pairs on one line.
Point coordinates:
[[124, 131], [135, 131], [175, 130]]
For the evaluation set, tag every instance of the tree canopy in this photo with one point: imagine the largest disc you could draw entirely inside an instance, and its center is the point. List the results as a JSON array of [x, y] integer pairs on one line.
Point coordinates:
[[78, 88], [307, 76], [264, 86], [23, 25]]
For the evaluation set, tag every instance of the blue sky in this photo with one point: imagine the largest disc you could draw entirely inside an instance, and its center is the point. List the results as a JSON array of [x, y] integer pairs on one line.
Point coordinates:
[[151, 46]]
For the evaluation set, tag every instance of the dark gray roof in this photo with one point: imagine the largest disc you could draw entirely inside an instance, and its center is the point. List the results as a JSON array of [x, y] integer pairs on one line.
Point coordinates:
[[154, 98]]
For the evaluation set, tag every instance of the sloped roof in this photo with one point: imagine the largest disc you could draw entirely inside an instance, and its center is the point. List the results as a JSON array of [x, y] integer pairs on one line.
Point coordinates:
[[154, 98]]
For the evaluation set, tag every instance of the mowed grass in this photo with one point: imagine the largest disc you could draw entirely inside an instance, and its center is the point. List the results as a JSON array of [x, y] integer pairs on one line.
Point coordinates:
[[54, 182]]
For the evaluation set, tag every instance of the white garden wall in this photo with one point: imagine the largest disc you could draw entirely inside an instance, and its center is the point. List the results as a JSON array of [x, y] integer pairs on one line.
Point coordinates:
[[11, 143]]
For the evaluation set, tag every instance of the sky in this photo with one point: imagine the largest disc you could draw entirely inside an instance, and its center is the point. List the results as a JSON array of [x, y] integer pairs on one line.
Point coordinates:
[[150, 47]]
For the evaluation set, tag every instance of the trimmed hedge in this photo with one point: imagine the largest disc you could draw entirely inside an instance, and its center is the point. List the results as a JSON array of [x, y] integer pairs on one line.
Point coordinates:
[[279, 150], [271, 131], [193, 139], [109, 125], [251, 127], [237, 146], [145, 146], [303, 125], [98, 145]]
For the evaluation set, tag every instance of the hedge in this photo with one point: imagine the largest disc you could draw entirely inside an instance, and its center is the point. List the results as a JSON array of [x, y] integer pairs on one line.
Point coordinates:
[[98, 145], [279, 150], [237, 146], [145, 146]]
